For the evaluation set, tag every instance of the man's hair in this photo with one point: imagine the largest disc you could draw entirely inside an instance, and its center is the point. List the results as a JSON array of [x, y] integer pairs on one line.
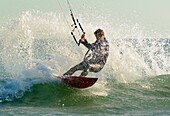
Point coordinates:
[[99, 32]]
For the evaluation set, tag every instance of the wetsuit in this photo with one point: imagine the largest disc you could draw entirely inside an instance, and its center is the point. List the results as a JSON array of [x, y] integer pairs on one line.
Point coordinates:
[[93, 61]]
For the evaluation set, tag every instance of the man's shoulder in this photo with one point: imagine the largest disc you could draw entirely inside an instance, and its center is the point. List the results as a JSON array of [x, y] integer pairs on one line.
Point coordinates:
[[106, 41]]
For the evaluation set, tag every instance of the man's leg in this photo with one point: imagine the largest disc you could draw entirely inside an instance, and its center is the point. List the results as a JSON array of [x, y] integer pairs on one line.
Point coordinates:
[[84, 73], [80, 66]]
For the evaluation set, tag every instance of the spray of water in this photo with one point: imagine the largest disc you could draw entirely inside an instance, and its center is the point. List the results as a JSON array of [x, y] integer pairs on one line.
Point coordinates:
[[37, 37]]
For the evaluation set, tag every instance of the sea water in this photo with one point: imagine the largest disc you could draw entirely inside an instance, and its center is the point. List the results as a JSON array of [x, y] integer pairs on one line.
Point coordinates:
[[35, 43]]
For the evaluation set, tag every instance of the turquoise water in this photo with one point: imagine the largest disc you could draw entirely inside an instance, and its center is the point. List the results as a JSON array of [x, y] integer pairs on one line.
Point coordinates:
[[35, 42]]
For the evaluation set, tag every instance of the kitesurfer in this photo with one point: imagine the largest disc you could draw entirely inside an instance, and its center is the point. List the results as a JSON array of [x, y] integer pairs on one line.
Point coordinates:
[[94, 61]]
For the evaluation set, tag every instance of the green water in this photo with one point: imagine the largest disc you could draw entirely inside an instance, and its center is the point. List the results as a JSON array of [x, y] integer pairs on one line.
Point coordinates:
[[149, 97]]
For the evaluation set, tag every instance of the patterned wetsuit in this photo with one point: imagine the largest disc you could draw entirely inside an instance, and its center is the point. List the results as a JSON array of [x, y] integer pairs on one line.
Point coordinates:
[[93, 61]]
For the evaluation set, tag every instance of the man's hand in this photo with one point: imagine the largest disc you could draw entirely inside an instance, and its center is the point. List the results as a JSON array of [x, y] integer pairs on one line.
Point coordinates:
[[82, 38]]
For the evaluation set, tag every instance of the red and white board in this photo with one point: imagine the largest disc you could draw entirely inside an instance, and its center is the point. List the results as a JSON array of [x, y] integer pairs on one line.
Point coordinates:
[[78, 81]]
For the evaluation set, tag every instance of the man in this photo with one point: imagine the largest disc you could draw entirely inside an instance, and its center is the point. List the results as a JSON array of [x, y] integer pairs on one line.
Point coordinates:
[[95, 61]]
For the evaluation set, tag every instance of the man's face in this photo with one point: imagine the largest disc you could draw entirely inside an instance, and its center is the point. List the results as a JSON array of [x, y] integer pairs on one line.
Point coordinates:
[[98, 37]]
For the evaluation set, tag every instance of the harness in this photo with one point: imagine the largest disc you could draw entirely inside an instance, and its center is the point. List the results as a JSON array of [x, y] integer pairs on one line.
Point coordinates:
[[97, 47]]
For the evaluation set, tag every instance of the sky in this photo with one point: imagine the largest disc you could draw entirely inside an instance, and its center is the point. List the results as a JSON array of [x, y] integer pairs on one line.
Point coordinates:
[[150, 13]]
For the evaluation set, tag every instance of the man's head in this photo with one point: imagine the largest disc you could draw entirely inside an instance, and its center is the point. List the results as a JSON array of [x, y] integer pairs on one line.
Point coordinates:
[[99, 33]]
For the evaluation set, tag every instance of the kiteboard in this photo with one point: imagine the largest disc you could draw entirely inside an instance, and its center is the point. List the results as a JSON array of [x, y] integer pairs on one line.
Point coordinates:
[[78, 81]]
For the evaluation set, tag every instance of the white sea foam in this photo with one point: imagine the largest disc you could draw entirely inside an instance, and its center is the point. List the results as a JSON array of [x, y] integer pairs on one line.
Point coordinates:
[[38, 37]]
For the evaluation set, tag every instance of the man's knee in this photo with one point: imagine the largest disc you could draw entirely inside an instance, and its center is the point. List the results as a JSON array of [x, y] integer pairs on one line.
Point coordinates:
[[95, 68], [84, 73]]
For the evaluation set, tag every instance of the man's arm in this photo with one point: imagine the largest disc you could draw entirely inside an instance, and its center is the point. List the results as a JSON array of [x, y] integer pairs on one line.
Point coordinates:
[[85, 42]]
